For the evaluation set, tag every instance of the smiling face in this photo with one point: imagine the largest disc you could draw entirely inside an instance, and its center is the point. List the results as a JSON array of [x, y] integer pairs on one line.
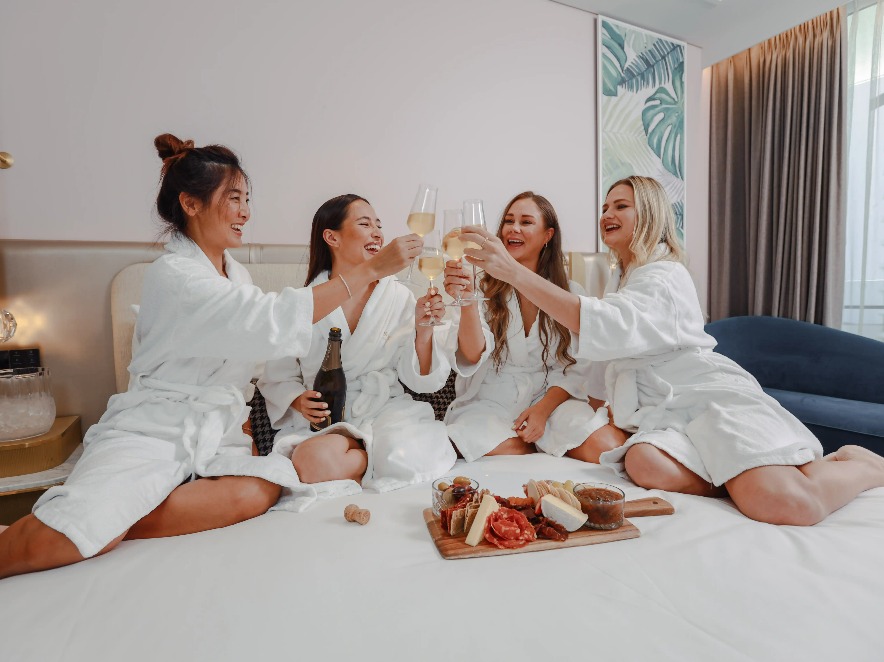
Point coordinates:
[[524, 232], [359, 238], [618, 220], [219, 225]]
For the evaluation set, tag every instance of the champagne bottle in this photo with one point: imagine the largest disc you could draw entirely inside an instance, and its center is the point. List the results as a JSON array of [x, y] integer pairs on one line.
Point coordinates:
[[331, 383]]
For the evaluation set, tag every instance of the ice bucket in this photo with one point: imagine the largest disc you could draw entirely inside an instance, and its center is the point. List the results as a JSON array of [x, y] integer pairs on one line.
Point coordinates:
[[27, 408]]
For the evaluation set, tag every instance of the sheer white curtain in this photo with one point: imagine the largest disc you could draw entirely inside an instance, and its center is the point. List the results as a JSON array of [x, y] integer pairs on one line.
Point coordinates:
[[864, 257]]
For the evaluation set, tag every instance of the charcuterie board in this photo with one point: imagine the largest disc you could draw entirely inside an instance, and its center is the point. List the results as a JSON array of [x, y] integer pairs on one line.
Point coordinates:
[[454, 547]]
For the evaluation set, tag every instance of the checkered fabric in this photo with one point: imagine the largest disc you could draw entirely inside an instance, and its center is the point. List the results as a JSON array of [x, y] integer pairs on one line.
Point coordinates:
[[263, 433]]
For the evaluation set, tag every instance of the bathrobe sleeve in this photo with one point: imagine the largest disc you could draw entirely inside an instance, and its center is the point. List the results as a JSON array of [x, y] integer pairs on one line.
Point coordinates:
[[655, 311], [208, 316], [407, 365], [573, 378], [462, 367], [281, 383]]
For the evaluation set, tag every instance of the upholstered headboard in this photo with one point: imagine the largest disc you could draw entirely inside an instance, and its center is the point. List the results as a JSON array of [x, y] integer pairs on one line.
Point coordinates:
[[588, 269]]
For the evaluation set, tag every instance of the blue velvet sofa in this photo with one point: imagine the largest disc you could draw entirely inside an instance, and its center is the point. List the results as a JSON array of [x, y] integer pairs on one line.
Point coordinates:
[[831, 380]]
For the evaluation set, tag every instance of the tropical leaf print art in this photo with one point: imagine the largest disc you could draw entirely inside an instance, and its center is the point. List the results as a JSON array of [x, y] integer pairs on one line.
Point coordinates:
[[642, 110]]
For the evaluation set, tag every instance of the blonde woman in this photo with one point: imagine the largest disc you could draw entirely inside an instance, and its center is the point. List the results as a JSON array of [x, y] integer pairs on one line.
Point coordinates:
[[700, 423]]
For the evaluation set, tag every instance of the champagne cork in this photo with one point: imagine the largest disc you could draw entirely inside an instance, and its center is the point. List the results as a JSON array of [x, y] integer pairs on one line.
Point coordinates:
[[354, 513]]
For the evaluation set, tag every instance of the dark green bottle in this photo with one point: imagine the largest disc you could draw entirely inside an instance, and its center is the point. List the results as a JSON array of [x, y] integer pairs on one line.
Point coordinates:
[[331, 382]]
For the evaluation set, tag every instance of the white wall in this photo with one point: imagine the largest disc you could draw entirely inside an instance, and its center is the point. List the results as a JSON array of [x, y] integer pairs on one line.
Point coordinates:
[[485, 98]]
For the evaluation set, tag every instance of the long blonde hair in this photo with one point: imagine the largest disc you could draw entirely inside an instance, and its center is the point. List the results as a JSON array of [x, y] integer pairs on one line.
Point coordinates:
[[550, 266], [654, 222]]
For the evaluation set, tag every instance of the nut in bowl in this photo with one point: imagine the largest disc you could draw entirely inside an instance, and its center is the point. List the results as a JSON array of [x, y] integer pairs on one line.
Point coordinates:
[[451, 489], [602, 503]]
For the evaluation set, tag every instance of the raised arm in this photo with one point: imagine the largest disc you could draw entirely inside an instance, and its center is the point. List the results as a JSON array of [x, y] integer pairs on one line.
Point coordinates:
[[493, 257], [470, 338], [391, 259]]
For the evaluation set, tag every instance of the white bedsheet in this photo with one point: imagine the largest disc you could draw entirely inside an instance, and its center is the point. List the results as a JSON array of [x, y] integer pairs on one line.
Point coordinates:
[[703, 584]]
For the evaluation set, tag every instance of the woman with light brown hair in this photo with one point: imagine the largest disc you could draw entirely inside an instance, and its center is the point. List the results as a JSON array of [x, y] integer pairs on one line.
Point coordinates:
[[700, 424], [519, 387]]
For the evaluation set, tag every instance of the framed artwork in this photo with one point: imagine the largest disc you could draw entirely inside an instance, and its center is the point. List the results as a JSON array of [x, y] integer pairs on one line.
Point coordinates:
[[641, 110]]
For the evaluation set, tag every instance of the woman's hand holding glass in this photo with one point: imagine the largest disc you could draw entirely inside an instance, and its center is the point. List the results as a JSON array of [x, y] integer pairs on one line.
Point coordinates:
[[398, 254], [431, 264], [457, 281], [454, 247], [491, 255], [428, 309]]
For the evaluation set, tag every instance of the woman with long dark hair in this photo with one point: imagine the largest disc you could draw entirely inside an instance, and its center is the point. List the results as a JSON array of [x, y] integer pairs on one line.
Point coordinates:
[[169, 456], [520, 388], [386, 439]]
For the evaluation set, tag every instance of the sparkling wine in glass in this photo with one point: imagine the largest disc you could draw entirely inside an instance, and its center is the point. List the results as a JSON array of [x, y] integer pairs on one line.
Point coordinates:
[[422, 218], [431, 264], [473, 215], [451, 243]]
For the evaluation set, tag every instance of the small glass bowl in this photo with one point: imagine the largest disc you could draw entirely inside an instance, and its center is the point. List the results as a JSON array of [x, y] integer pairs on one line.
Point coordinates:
[[27, 408], [446, 493], [602, 503]]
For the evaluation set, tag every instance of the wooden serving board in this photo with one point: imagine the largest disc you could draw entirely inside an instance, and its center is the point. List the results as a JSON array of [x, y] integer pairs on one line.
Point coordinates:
[[454, 547]]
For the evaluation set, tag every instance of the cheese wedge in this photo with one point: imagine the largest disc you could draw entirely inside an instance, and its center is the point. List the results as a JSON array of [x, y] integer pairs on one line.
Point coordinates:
[[477, 530], [556, 509]]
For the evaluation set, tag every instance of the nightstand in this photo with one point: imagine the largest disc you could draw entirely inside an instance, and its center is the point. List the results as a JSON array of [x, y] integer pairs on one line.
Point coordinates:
[[28, 467]]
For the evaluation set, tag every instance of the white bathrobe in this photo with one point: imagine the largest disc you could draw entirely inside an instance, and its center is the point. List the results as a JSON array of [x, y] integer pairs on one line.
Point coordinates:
[[404, 442], [489, 399], [198, 338], [666, 385]]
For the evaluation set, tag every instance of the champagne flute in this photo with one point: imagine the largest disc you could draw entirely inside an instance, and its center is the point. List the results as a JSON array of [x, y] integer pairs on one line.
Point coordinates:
[[473, 215], [452, 245], [422, 218], [431, 263]]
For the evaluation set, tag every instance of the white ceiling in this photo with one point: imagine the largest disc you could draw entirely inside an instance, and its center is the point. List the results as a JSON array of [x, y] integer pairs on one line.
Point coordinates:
[[720, 27]]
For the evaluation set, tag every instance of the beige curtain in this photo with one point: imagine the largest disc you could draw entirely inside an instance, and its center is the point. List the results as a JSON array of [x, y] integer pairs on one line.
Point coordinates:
[[777, 171]]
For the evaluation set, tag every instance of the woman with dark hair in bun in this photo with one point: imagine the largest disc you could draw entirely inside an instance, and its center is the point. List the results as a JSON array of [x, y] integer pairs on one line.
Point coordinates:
[[169, 456]]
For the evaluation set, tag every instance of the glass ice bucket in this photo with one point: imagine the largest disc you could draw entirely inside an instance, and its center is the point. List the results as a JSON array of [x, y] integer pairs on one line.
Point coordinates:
[[27, 408]]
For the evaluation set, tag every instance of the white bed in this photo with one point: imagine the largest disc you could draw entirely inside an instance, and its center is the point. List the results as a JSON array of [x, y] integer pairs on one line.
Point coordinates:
[[703, 584]]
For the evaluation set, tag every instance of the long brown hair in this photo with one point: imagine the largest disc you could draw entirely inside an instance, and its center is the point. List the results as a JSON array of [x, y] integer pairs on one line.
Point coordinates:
[[551, 266], [330, 216]]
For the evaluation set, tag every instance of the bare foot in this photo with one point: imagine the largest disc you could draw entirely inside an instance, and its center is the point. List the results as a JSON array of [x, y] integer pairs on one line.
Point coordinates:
[[856, 453], [872, 460]]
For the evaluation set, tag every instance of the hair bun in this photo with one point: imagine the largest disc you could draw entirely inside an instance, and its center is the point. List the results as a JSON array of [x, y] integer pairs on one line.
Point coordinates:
[[168, 145]]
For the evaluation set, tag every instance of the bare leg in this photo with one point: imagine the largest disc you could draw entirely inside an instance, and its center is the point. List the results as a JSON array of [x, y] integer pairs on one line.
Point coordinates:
[[513, 446], [654, 469], [604, 439], [207, 503], [3, 528], [329, 457], [29, 546], [805, 495]]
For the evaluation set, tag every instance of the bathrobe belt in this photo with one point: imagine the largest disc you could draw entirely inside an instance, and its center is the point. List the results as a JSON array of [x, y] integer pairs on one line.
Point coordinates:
[[372, 391], [621, 380], [213, 412]]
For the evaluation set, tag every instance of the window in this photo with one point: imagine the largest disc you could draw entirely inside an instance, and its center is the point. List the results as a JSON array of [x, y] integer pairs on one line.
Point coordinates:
[[864, 256]]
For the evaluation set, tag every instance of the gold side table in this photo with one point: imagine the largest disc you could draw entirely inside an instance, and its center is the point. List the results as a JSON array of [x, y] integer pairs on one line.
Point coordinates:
[[29, 467]]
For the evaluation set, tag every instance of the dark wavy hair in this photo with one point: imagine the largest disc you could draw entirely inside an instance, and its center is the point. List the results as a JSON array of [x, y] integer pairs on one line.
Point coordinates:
[[330, 216], [196, 171], [550, 266]]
